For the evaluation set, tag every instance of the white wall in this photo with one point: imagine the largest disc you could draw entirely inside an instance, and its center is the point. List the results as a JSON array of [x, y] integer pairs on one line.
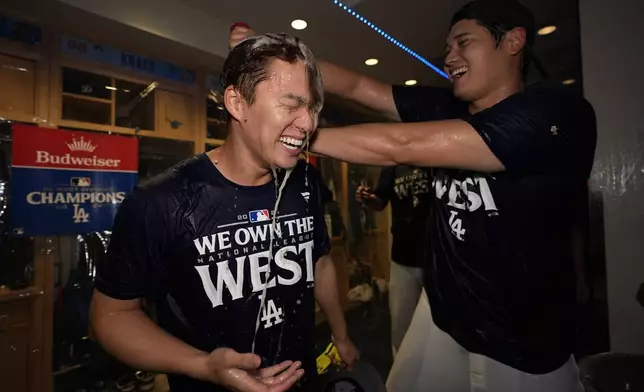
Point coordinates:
[[613, 60]]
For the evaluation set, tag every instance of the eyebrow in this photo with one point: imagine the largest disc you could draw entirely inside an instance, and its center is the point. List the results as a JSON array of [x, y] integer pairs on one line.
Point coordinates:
[[301, 101], [456, 37]]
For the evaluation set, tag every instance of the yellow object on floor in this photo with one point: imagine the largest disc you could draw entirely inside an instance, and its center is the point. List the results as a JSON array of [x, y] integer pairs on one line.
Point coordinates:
[[329, 357]]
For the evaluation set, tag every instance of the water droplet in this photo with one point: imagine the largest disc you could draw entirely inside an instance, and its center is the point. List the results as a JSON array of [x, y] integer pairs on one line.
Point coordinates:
[[299, 302]]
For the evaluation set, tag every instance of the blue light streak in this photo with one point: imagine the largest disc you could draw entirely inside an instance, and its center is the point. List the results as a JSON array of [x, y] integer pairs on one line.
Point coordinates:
[[391, 39]]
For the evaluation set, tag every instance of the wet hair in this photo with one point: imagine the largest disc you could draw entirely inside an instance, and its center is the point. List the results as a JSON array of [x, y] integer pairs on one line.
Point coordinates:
[[248, 64], [499, 17]]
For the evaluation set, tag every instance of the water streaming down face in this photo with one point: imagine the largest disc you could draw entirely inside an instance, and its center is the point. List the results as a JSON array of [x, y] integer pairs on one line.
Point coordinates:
[[248, 65]]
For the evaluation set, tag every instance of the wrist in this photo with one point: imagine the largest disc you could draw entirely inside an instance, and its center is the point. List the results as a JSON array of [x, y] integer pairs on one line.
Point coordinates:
[[340, 337], [196, 366]]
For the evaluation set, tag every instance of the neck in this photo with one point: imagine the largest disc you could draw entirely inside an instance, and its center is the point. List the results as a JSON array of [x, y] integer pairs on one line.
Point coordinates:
[[239, 164], [504, 90]]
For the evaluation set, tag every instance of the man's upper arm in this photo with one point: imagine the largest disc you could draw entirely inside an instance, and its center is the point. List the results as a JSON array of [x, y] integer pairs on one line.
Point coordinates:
[[377, 96], [539, 133], [133, 267]]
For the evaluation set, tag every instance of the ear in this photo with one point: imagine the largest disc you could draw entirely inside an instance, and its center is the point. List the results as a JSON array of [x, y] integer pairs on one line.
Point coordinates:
[[515, 40], [235, 103]]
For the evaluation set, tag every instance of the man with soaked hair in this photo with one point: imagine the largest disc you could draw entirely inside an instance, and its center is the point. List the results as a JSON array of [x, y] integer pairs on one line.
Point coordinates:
[[233, 259]]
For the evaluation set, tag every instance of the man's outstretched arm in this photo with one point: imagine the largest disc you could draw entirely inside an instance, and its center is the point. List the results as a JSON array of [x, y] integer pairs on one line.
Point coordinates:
[[447, 144], [529, 133]]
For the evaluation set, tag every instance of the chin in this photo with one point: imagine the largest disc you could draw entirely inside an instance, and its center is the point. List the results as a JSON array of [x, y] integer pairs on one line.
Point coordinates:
[[286, 162]]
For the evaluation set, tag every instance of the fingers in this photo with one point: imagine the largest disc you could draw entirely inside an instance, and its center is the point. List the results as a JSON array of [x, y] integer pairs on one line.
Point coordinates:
[[279, 368], [242, 361], [287, 383], [239, 25], [284, 376]]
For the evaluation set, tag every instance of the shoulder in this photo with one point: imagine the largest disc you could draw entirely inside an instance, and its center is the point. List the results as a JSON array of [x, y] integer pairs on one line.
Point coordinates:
[[425, 103], [551, 102], [169, 188], [307, 173]]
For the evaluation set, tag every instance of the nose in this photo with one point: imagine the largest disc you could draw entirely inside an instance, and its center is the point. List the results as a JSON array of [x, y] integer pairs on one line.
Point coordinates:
[[305, 122], [450, 58]]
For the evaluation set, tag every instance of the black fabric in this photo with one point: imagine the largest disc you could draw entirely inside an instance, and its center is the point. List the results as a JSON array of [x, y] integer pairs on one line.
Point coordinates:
[[407, 189], [198, 245], [501, 280]]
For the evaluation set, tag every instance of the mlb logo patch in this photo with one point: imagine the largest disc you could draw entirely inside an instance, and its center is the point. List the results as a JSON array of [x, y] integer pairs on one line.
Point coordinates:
[[259, 216], [81, 181]]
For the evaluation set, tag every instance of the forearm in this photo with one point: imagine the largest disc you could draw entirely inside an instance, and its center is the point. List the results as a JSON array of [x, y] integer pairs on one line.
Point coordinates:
[[365, 144], [359, 88], [326, 294], [134, 339], [447, 144]]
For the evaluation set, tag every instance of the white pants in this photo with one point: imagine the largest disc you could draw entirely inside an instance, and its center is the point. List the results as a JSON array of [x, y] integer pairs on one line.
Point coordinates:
[[429, 360], [405, 287]]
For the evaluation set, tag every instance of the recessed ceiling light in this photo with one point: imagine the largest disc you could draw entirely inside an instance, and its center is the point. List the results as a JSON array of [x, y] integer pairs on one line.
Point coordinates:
[[547, 30], [371, 61], [388, 37], [569, 81], [410, 82], [299, 24]]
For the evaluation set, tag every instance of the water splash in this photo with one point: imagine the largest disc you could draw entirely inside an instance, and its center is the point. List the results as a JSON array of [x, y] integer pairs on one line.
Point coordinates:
[[272, 231]]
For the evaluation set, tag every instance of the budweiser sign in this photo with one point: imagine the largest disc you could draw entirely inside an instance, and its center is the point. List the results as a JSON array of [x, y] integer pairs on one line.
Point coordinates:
[[59, 149]]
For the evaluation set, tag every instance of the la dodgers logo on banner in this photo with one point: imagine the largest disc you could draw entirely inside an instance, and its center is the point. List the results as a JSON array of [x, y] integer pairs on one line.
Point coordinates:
[[67, 182]]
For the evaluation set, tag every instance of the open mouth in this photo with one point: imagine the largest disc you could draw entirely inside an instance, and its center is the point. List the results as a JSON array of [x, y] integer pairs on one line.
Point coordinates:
[[458, 73], [291, 143]]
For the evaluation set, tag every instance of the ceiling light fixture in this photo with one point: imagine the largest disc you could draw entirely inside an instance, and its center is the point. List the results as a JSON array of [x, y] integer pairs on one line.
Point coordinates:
[[299, 24], [410, 82], [391, 39], [569, 81], [547, 30], [371, 62]]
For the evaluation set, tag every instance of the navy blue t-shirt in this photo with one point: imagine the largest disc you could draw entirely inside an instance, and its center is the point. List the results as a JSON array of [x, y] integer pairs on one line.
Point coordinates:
[[501, 280], [198, 244], [406, 188]]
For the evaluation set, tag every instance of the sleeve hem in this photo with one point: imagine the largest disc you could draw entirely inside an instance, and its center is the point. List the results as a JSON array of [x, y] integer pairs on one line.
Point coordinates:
[[116, 294]]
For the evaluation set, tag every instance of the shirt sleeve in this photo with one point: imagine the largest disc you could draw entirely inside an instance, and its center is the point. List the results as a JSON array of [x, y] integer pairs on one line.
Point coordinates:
[[385, 185], [134, 263], [322, 242], [540, 133], [424, 103]]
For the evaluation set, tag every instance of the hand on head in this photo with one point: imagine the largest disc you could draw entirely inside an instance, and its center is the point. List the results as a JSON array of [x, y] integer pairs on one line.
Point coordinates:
[[239, 32], [241, 372]]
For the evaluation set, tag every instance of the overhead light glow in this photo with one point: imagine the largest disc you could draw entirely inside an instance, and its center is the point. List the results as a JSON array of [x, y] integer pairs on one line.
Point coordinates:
[[410, 82], [299, 24], [569, 81], [547, 30], [391, 39], [371, 61]]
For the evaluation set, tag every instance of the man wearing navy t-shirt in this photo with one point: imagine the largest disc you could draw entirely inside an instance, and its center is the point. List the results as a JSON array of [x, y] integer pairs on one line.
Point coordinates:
[[230, 245], [406, 189], [508, 166]]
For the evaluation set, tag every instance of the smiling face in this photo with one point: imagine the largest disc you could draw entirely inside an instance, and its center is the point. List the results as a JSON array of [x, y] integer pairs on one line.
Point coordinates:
[[282, 116], [476, 64]]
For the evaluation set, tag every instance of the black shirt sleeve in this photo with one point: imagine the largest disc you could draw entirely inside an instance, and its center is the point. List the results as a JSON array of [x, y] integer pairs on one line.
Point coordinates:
[[424, 103], [134, 264], [322, 243], [385, 185], [532, 133]]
